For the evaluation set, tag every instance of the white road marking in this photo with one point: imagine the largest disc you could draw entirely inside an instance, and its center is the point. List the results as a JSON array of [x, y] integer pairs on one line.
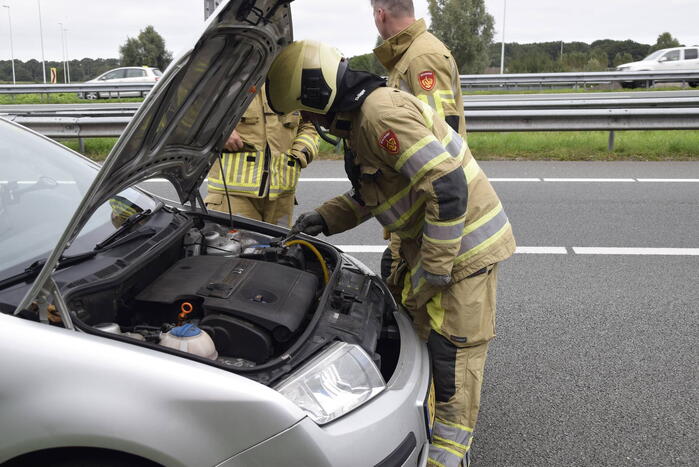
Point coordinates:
[[502, 180], [558, 250], [514, 179], [590, 180], [668, 180], [541, 250], [324, 180], [637, 251]]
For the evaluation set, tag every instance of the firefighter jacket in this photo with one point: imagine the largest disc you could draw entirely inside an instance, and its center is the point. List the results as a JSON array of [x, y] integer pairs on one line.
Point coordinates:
[[276, 149], [418, 178], [420, 64]]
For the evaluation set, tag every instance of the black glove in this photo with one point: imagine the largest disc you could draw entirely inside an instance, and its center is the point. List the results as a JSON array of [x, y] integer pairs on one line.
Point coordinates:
[[310, 223], [438, 280]]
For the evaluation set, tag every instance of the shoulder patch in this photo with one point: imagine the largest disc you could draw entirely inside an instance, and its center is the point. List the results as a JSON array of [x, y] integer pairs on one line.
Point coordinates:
[[427, 80], [389, 141]]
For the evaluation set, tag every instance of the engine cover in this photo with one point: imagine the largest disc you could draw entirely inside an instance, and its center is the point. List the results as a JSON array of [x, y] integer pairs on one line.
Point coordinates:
[[272, 297]]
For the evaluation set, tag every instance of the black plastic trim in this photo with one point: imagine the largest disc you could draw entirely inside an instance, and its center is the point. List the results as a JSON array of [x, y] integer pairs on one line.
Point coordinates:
[[401, 453]]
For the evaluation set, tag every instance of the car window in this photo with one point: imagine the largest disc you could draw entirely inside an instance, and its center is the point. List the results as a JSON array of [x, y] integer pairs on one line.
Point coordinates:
[[157, 72], [116, 74], [41, 186], [135, 73], [672, 56], [654, 55], [691, 54]]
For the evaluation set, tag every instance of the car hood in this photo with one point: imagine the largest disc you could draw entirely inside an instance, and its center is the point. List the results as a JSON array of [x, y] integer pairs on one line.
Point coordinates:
[[184, 122], [631, 64]]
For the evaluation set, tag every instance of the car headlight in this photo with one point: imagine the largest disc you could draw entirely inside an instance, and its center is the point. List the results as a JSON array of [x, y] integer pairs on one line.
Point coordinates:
[[337, 381]]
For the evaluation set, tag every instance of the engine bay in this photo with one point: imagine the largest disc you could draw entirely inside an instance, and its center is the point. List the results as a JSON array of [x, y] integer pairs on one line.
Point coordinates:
[[243, 300]]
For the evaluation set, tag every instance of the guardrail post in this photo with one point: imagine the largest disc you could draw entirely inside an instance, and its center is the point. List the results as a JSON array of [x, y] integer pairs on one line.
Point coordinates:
[[81, 145], [610, 144]]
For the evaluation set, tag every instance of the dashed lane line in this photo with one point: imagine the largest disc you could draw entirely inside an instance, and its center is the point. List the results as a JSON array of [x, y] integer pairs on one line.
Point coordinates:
[[559, 250]]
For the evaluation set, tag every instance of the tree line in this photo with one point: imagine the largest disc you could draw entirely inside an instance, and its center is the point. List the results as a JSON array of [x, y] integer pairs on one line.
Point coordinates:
[[147, 49], [467, 29]]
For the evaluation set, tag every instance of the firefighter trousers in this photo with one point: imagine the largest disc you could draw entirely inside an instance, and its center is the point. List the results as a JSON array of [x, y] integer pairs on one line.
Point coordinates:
[[458, 323], [278, 211]]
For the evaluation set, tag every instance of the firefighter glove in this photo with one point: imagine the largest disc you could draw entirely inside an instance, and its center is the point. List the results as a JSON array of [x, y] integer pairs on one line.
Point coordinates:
[[310, 223]]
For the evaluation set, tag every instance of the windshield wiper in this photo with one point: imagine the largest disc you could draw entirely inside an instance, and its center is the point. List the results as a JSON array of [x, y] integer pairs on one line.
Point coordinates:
[[35, 268], [126, 226]]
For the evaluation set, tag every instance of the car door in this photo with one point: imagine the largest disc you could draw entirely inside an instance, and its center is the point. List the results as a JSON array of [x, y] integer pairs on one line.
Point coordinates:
[[670, 61], [691, 59], [113, 77], [134, 76]]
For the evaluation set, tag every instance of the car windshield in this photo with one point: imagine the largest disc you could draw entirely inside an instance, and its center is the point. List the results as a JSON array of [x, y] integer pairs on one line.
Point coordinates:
[[41, 186], [157, 72], [654, 55]]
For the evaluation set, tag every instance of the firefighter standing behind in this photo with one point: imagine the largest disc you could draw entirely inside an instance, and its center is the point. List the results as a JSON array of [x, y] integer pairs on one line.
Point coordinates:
[[420, 64], [416, 175], [262, 170]]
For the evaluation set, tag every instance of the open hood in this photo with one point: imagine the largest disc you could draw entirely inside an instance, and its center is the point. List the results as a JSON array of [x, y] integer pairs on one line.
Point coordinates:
[[184, 122]]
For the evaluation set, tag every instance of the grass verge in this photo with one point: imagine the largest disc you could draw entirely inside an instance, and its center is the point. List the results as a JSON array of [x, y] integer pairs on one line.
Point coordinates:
[[57, 98], [555, 146]]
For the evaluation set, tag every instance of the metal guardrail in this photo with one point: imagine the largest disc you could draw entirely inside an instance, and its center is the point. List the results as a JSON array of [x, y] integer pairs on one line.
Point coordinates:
[[605, 77], [603, 100], [467, 81], [477, 121], [76, 88]]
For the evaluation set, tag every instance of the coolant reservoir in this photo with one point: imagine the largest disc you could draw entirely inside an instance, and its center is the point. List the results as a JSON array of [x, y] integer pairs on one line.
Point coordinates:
[[189, 338]]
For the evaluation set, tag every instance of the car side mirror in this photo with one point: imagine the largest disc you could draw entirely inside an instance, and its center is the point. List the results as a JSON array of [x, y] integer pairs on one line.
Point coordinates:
[[662, 59]]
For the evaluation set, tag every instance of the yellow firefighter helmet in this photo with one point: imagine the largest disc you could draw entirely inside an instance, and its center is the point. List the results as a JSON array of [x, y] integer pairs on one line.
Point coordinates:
[[305, 76]]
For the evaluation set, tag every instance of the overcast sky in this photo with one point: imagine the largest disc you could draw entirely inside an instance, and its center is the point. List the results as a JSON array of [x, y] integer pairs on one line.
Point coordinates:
[[96, 28]]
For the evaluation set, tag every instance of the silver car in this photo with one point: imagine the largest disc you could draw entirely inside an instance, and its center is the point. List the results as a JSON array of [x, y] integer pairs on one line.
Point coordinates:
[[140, 331], [123, 75]]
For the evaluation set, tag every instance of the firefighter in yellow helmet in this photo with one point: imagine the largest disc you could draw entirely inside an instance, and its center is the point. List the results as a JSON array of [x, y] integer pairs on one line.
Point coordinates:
[[416, 175], [261, 171], [418, 63]]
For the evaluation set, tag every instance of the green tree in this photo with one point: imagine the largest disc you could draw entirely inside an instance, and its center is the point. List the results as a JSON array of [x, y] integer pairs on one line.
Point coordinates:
[[621, 58], [368, 62], [147, 49], [466, 28], [665, 41]]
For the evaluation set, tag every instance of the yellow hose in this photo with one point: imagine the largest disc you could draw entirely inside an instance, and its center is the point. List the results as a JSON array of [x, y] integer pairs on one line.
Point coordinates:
[[323, 264]]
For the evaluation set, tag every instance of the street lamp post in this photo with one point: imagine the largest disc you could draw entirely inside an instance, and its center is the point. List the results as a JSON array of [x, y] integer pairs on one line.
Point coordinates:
[[12, 50], [502, 51], [41, 35], [67, 55], [63, 49]]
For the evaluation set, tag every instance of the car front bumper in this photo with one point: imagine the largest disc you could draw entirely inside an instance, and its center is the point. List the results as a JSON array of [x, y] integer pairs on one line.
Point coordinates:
[[390, 430]]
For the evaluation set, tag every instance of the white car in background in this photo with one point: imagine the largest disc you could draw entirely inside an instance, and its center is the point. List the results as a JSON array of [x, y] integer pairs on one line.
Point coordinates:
[[675, 59], [126, 75]]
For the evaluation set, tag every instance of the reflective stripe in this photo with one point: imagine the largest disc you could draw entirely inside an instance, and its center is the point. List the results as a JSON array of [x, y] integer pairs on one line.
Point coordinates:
[[435, 311], [451, 437], [437, 100], [472, 170], [443, 456], [395, 214], [310, 142], [414, 161], [454, 144], [239, 174], [427, 115], [482, 233], [444, 232]]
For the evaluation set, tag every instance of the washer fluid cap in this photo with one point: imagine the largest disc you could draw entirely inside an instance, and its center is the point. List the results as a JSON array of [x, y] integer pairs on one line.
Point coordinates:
[[188, 330]]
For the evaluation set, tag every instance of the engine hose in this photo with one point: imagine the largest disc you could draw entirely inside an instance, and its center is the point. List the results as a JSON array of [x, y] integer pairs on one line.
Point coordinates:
[[323, 264]]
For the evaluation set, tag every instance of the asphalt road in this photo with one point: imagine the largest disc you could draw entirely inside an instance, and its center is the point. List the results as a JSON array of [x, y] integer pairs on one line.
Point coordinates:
[[596, 359]]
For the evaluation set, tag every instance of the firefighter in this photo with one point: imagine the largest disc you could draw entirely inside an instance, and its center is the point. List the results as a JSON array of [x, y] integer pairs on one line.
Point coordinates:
[[267, 153], [416, 175], [418, 63]]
